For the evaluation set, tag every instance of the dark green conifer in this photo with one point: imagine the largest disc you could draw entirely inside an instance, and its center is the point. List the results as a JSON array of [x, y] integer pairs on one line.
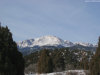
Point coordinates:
[[95, 62], [11, 60], [58, 61], [45, 64], [84, 63]]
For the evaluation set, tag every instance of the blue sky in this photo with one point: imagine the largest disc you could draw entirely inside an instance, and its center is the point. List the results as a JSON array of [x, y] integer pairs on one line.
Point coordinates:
[[73, 20]]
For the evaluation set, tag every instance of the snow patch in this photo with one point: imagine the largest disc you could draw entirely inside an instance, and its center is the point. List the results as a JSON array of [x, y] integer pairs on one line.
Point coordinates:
[[78, 72]]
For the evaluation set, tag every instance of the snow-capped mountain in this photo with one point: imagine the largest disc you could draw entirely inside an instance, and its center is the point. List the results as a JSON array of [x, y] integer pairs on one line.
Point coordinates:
[[85, 44], [50, 41], [68, 43], [25, 43], [42, 41]]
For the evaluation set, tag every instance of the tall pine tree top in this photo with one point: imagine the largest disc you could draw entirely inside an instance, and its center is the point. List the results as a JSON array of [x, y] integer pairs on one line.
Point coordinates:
[[95, 62], [98, 49], [11, 60], [45, 64]]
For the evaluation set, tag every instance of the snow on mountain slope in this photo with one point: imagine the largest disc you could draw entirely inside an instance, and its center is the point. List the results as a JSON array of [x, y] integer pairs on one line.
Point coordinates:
[[25, 43], [49, 41], [68, 43], [42, 41], [84, 44]]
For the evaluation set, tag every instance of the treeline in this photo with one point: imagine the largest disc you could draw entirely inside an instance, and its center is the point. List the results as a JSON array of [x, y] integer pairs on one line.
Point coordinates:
[[57, 60]]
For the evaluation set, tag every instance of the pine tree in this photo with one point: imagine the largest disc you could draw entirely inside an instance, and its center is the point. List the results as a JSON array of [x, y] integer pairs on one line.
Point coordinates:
[[45, 64], [58, 61], [95, 62], [11, 60], [84, 63]]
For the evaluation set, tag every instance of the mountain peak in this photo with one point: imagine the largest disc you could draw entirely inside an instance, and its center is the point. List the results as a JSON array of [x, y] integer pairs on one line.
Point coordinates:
[[49, 40]]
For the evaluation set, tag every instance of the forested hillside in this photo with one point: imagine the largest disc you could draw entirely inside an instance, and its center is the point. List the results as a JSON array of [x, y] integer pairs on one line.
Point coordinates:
[[62, 59]]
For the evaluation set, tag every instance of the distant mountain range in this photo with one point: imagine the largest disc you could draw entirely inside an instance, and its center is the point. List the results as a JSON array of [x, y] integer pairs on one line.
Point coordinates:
[[51, 42]]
